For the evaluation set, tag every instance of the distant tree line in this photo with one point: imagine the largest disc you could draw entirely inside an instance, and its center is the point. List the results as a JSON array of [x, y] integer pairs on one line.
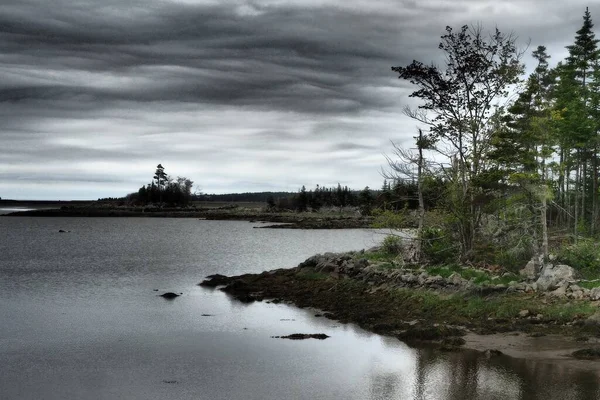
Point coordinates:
[[257, 197], [394, 195]]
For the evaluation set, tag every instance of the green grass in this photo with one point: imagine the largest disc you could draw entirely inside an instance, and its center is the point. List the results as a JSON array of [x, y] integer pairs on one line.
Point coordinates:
[[471, 307], [477, 276], [589, 284]]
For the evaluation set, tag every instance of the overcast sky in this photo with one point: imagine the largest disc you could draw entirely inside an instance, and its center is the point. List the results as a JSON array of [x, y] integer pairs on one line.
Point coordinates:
[[235, 95]]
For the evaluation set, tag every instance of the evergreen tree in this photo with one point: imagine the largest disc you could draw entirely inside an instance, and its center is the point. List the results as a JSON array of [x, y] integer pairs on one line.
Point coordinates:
[[365, 201]]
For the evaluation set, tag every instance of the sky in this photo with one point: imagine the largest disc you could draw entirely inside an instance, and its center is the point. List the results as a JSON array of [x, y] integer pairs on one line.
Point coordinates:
[[239, 96]]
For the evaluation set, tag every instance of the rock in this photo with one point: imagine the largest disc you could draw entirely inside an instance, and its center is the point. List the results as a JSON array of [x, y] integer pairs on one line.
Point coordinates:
[[456, 279], [214, 281], [574, 288], [303, 336], [534, 286], [169, 295], [409, 278], [595, 293], [593, 320], [552, 277], [453, 341], [524, 313], [327, 266], [531, 269], [492, 353], [434, 280], [577, 294], [560, 291]]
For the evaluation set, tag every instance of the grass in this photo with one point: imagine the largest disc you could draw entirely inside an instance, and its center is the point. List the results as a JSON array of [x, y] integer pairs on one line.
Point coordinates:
[[471, 307], [589, 284], [478, 277]]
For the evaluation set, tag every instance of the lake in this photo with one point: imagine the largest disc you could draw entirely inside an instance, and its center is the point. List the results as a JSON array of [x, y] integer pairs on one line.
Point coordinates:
[[80, 318]]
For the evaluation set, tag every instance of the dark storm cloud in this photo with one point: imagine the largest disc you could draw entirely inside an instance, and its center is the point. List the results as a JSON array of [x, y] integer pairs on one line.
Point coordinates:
[[316, 60], [230, 93]]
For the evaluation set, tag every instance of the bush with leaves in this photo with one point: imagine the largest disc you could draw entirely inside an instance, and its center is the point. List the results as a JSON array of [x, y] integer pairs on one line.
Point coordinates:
[[392, 245], [438, 246], [584, 256]]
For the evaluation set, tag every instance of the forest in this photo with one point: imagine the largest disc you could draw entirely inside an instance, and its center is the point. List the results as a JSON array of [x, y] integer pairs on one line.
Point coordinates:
[[514, 158]]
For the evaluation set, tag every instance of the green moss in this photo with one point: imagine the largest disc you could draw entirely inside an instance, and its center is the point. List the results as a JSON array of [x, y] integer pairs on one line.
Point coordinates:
[[312, 276]]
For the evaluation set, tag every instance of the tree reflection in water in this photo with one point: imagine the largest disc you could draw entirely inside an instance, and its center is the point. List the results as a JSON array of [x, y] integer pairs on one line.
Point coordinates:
[[470, 375]]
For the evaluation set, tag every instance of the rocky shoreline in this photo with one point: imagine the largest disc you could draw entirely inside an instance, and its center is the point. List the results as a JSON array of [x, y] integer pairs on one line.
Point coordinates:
[[413, 305]]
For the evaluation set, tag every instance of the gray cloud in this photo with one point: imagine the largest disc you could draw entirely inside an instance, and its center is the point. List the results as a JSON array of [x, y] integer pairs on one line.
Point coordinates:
[[239, 95]]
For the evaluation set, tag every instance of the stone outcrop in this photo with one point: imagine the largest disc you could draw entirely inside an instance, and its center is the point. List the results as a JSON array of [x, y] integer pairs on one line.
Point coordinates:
[[554, 277], [555, 280]]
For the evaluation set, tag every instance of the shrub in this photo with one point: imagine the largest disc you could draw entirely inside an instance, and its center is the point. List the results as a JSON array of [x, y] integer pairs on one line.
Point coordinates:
[[392, 244], [438, 246], [584, 256]]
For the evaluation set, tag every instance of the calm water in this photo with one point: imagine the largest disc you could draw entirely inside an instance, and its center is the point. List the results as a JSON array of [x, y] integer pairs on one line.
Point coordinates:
[[79, 319]]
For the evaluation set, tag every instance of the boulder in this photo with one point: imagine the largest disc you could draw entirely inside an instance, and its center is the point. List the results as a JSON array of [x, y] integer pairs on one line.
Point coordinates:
[[595, 293], [561, 291], [594, 319], [531, 269], [554, 276], [434, 280]]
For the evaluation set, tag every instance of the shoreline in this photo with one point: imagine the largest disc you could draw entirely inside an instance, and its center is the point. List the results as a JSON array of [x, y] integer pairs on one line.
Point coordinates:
[[282, 220], [439, 316]]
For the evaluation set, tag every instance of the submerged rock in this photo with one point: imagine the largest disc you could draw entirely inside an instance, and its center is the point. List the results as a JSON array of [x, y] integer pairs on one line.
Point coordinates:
[[302, 336], [492, 353], [169, 295]]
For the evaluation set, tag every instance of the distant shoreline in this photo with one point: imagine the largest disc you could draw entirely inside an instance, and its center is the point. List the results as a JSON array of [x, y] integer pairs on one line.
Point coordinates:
[[290, 220]]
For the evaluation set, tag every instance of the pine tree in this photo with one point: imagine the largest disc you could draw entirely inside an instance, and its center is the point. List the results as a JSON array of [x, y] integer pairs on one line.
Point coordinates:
[[576, 76]]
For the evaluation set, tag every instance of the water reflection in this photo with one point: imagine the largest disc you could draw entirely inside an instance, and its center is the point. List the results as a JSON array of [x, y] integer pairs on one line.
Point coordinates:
[[470, 375], [79, 319]]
